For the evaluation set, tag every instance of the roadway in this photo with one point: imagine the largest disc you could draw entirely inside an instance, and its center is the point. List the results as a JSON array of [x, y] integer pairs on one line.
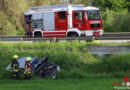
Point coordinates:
[[106, 37]]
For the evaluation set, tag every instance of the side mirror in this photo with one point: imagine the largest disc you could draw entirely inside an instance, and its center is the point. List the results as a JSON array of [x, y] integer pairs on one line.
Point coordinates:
[[80, 16]]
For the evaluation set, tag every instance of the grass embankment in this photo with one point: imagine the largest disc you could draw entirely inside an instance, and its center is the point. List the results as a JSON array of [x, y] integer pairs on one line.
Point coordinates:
[[86, 70], [73, 58]]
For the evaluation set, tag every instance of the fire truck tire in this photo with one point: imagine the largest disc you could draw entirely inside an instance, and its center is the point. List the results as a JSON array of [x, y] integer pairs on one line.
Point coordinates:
[[37, 34], [72, 34]]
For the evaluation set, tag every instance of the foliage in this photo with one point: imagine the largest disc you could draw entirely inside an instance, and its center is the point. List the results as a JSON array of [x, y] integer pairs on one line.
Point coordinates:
[[6, 27], [116, 21], [75, 61], [12, 17], [2, 22], [115, 5], [20, 31]]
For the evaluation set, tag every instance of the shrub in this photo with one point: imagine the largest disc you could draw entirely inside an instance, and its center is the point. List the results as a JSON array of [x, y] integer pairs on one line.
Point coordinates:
[[20, 31], [116, 21]]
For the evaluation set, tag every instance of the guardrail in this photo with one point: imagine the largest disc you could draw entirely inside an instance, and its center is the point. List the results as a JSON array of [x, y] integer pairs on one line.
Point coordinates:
[[53, 39], [57, 39], [105, 36]]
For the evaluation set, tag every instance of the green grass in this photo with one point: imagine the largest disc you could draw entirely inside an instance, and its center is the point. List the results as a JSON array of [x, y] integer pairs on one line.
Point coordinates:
[[79, 68], [67, 84], [73, 57], [56, 45]]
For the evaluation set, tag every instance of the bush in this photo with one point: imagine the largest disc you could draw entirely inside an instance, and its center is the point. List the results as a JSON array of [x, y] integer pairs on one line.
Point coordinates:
[[114, 63], [20, 31], [116, 21], [6, 26]]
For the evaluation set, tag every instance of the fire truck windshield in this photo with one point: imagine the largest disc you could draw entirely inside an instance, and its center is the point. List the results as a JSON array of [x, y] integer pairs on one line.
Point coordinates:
[[93, 15]]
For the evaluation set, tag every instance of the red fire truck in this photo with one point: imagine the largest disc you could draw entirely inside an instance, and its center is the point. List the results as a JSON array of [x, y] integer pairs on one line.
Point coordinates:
[[62, 20]]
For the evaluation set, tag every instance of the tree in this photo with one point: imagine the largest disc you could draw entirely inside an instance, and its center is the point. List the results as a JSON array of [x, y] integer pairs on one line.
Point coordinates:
[[128, 5], [2, 2], [16, 8], [118, 5]]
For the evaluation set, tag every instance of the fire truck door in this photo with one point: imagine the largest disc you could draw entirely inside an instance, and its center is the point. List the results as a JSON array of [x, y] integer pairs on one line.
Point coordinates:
[[79, 20], [61, 20]]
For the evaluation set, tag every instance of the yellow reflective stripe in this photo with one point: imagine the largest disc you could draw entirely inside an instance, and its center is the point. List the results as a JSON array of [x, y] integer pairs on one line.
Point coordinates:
[[29, 72], [15, 64], [14, 75]]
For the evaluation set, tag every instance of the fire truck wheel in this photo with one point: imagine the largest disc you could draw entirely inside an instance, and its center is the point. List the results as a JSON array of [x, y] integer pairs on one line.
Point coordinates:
[[37, 34], [73, 34]]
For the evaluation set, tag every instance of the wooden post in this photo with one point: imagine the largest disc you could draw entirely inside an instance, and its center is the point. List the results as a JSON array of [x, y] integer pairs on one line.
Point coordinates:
[[21, 39], [54, 39]]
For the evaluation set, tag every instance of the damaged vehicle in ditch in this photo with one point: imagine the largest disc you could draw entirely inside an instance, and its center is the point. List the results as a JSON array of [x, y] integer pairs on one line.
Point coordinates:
[[40, 67]]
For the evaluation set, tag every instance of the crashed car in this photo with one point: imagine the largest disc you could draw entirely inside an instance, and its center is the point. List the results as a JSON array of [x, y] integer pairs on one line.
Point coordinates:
[[41, 68], [45, 69]]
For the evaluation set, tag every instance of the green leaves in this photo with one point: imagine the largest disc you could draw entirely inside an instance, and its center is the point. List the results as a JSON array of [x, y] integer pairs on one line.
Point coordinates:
[[116, 21], [116, 5]]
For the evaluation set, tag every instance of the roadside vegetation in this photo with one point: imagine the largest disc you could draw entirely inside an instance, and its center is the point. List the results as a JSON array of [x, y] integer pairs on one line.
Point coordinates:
[[62, 44], [73, 57], [79, 68], [116, 21]]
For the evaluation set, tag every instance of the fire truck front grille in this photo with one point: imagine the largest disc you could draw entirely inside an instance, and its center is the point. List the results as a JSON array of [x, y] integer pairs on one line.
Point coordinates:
[[95, 25]]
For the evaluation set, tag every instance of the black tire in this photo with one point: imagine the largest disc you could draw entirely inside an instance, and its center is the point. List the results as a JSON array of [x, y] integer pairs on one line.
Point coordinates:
[[37, 35], [73, 34]]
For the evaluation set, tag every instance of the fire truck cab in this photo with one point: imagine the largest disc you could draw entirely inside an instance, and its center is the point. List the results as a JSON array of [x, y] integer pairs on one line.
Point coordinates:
[[62, 20]]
